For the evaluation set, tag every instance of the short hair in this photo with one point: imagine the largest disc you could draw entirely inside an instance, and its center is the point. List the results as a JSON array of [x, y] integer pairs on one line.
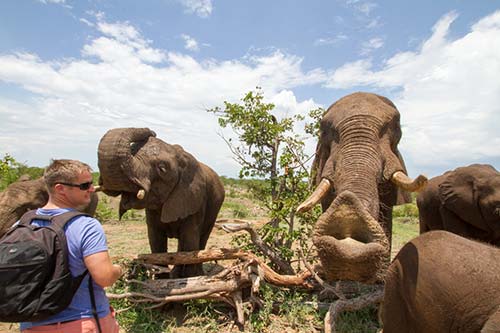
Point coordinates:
[[63, 171]]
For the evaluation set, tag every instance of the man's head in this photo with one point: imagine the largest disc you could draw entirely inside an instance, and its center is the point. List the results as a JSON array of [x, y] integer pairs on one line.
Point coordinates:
[[69, 183]]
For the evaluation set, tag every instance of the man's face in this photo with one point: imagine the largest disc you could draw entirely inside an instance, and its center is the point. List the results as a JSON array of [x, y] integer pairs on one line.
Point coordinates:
[[78, 198]]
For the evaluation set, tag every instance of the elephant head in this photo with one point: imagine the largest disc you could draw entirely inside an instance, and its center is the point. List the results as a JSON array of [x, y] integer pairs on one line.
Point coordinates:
[[473, 193], [149, 173], [24, 195], [182, 196], [361, 175], [465, 201]]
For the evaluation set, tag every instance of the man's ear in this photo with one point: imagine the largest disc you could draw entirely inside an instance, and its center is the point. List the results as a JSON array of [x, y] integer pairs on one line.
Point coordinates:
[[58, 188]]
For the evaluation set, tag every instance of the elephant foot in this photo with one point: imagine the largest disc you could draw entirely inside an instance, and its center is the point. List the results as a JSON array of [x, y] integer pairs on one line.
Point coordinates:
[[184, 271]]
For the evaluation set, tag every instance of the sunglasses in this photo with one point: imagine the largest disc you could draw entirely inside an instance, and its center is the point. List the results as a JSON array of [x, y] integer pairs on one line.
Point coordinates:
[[82, 186]]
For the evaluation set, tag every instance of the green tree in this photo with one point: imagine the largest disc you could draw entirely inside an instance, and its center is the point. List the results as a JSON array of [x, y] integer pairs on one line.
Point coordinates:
[[267, 148], [11, 170]]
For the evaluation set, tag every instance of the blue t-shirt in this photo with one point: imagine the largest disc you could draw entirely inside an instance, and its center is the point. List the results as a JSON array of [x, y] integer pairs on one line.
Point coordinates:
[[85, 236]]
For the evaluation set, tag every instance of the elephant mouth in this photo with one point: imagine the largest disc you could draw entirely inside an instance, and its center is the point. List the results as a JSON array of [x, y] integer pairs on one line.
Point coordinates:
[[350, 242]]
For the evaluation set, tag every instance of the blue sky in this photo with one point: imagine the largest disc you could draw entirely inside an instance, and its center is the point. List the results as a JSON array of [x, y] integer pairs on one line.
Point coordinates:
[[71, 70]]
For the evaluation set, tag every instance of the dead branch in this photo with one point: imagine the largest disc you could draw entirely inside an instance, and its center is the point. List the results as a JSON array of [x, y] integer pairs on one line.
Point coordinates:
[[263, 247], [326, 287], [195, 257], [192, 257], [353, 304]]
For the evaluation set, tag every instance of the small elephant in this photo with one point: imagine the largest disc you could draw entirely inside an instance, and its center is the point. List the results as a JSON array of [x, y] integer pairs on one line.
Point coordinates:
[[181, 196], [23, 195], [465, 201], [441, 282], [360, 176]]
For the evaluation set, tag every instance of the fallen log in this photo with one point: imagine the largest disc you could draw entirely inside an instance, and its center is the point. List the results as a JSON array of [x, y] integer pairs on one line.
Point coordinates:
[[196, 257]]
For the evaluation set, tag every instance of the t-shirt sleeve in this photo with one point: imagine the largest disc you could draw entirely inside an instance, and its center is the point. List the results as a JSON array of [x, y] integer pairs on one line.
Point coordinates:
[[93, 239]]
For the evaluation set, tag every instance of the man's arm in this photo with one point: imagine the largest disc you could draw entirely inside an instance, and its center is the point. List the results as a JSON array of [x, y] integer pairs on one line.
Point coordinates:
[[102, 270]]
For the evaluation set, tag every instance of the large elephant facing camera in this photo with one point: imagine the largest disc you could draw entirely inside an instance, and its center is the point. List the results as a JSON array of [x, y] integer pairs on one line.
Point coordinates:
[[23, 195], [360, 176], [182, 196], [465, 201]]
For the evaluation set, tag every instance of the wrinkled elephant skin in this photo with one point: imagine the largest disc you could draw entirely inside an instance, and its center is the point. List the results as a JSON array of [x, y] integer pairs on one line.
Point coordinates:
[[441, 282]]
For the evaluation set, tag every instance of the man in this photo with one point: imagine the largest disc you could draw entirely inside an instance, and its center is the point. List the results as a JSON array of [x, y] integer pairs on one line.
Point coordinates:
[[69, 184]]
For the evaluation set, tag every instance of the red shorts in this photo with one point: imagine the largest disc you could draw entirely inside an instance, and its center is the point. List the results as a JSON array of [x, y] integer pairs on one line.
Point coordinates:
[[85, 325]]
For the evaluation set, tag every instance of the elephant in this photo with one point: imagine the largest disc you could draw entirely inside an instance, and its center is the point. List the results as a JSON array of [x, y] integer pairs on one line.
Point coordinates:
[[180, 195], [23, 195], [360, 176], [442, 282], [465, 201]]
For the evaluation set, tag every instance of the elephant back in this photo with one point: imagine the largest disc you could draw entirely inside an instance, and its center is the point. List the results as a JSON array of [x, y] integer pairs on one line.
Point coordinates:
[[116, 153]]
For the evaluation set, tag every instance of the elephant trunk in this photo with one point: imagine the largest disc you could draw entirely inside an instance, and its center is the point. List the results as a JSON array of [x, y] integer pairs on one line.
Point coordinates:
[[359, 167], [350, 242], [119, 166]]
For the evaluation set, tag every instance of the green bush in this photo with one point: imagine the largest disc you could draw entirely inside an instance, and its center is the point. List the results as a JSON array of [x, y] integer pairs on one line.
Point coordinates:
[[407, 210], [104, 213]]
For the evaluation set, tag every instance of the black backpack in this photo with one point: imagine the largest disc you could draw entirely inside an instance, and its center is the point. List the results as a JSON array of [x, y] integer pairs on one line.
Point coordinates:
[[35, 281]]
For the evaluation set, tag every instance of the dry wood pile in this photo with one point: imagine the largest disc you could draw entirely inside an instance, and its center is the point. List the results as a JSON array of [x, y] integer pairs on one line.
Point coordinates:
[[245, 273]]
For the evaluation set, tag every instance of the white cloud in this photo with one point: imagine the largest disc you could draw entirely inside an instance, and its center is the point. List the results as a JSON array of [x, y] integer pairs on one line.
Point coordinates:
[[202, 8], [52, 1], [190, 43], [123, 81], [449, 93], [330, 40], [373, 44], [363, 11], [87, 22]]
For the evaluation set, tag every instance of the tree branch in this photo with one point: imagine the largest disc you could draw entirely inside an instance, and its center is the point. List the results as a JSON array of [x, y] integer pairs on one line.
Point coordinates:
[[263, 247]]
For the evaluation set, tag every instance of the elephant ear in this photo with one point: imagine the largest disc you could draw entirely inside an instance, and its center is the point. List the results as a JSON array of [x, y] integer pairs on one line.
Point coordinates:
[[189, 194], [458, 194]]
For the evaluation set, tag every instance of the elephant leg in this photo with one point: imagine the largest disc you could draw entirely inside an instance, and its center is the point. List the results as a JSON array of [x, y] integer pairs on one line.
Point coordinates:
[[157, 235], [189, 240], [423, 226]]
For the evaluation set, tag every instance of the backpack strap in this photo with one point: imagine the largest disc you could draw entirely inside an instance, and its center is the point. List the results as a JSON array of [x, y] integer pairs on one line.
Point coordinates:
[[94, 307], [57, 220], [62, 219], [28, 217]]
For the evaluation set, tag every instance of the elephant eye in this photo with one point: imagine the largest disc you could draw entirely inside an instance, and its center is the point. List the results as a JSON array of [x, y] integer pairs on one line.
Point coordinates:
[[162, 167], [497, 211], [135, 146]]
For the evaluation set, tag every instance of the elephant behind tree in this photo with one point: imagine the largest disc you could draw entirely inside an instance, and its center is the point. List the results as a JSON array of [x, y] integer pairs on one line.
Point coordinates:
[[441, 282], [465, 201], [361, 176], [23, 195], [182, 196]]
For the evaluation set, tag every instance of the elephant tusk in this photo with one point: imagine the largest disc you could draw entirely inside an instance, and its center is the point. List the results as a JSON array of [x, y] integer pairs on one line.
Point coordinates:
[[315, 197], [99, 188], [406, 183], [141, 194]]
